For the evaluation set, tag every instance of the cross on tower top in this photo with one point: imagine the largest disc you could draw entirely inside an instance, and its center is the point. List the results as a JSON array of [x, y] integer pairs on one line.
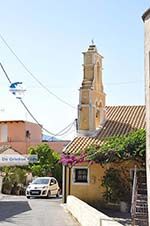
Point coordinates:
[[92, 41]]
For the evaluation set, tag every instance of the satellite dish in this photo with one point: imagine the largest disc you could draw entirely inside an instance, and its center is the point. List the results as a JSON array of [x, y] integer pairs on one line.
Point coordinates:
[[17, 89]]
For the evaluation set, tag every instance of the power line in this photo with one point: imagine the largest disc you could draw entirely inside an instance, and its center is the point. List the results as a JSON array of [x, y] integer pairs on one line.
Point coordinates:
[[44, 87], [27, 109], [35, 118], [5, 73], [73, 132], [125, 83], [64, 131], [33, 76]]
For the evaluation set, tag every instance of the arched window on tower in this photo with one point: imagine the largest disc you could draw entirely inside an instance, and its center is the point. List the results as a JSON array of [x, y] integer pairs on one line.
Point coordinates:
[[98, 106], [100, 114]]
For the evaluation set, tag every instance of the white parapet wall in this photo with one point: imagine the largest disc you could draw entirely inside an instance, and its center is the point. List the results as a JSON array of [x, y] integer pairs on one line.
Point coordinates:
[[1, 183], [87, 215]]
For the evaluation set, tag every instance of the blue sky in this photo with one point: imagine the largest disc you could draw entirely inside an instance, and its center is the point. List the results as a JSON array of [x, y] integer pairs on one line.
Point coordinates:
[[50, 36]]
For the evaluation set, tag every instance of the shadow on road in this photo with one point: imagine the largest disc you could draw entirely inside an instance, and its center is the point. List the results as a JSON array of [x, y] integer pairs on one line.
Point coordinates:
[[10, 208]]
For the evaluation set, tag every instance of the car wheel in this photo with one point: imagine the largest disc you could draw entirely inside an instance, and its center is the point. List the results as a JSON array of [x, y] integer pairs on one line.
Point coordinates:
[[48, 194], [28, 197], [58, 194]]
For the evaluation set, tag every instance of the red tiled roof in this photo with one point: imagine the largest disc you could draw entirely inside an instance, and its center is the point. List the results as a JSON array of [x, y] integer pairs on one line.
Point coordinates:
[[6, 121], [58, 146], [120, 120], [8, 149]]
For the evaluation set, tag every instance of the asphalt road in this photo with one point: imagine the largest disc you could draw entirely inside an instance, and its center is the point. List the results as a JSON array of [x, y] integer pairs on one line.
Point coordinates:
[[19, 211]]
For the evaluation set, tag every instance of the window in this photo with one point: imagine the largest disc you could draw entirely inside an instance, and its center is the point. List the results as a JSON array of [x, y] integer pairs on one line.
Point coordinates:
[[80, 175], [53, 181], [28, 133]]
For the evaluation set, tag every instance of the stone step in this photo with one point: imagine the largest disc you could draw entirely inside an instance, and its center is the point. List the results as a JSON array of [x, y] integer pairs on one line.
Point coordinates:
[[141, 179], [141, 202], [141, 190], [142, 197], [140, 210], [139, 222], [141, 207], [142, 185], [141, 216], [144, 216]]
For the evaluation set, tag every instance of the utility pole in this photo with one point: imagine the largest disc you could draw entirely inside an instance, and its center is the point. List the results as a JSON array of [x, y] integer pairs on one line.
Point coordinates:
[[146, 20]]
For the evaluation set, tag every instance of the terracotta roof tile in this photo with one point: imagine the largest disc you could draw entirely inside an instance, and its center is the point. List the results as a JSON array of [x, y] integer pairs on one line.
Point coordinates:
[[57, 146], [120, 120]]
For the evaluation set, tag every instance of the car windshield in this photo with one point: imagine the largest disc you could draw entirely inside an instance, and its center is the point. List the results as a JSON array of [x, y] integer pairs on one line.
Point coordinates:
[[41, 181]]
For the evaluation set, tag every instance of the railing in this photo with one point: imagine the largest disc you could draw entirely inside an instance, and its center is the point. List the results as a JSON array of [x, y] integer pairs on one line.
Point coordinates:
[[134, 191]]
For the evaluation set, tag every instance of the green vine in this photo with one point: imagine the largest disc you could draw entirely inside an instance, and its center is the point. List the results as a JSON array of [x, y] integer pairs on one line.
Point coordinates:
[[113, 149], [117, 186]]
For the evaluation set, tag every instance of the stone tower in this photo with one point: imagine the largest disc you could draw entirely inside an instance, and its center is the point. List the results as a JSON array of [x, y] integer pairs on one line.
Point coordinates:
[[91, 108], [146, 19]]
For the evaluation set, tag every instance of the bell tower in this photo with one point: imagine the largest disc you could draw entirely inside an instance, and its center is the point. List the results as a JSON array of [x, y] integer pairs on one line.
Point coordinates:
[[91, 112]]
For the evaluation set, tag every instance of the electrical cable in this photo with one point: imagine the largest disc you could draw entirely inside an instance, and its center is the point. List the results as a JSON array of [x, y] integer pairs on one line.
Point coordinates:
[[73, 132], [64, 131], [5, 73], [29, 110], [35, 118], [124, 83], [43, 86], [67, 127], [33, 76]]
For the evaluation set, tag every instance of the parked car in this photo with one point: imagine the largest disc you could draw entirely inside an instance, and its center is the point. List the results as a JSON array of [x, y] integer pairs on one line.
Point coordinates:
[[43, 187]]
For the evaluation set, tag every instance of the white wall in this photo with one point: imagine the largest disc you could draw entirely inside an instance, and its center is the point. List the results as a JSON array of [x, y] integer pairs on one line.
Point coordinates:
[[1, 182], [87, 215], [147, 99]]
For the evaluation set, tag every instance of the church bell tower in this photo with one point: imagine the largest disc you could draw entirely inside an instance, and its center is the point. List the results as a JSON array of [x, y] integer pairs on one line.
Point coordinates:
[[91, 108]]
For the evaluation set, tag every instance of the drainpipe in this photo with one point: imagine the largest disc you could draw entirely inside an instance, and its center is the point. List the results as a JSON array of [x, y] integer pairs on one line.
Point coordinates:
[[69, 180], [64, 184]]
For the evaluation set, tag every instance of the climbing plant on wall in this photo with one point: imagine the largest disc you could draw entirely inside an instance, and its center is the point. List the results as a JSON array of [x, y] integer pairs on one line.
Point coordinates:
[[112, 149], [117, 186], [118, 148]]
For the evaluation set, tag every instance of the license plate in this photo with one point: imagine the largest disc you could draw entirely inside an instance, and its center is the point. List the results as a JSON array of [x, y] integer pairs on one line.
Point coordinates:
[[35, 192]]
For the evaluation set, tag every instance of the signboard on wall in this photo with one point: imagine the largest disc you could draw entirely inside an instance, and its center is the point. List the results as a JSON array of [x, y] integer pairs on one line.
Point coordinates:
[[17, 160]]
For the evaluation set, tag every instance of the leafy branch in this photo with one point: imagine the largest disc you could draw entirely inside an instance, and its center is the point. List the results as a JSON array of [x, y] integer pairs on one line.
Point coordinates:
[[112, 149], [131, 146]]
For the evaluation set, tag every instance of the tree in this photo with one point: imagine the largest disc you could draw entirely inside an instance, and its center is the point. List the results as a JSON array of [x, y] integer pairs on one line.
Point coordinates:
[[14, 179], [48, 162]]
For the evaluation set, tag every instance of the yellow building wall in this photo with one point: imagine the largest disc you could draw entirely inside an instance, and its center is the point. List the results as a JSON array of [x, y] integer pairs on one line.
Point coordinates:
[[93, 191], [84, 118], [88, 191], [85, 96]]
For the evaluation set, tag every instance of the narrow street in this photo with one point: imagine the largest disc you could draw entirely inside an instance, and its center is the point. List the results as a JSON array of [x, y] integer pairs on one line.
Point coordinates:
[[19, 211]]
